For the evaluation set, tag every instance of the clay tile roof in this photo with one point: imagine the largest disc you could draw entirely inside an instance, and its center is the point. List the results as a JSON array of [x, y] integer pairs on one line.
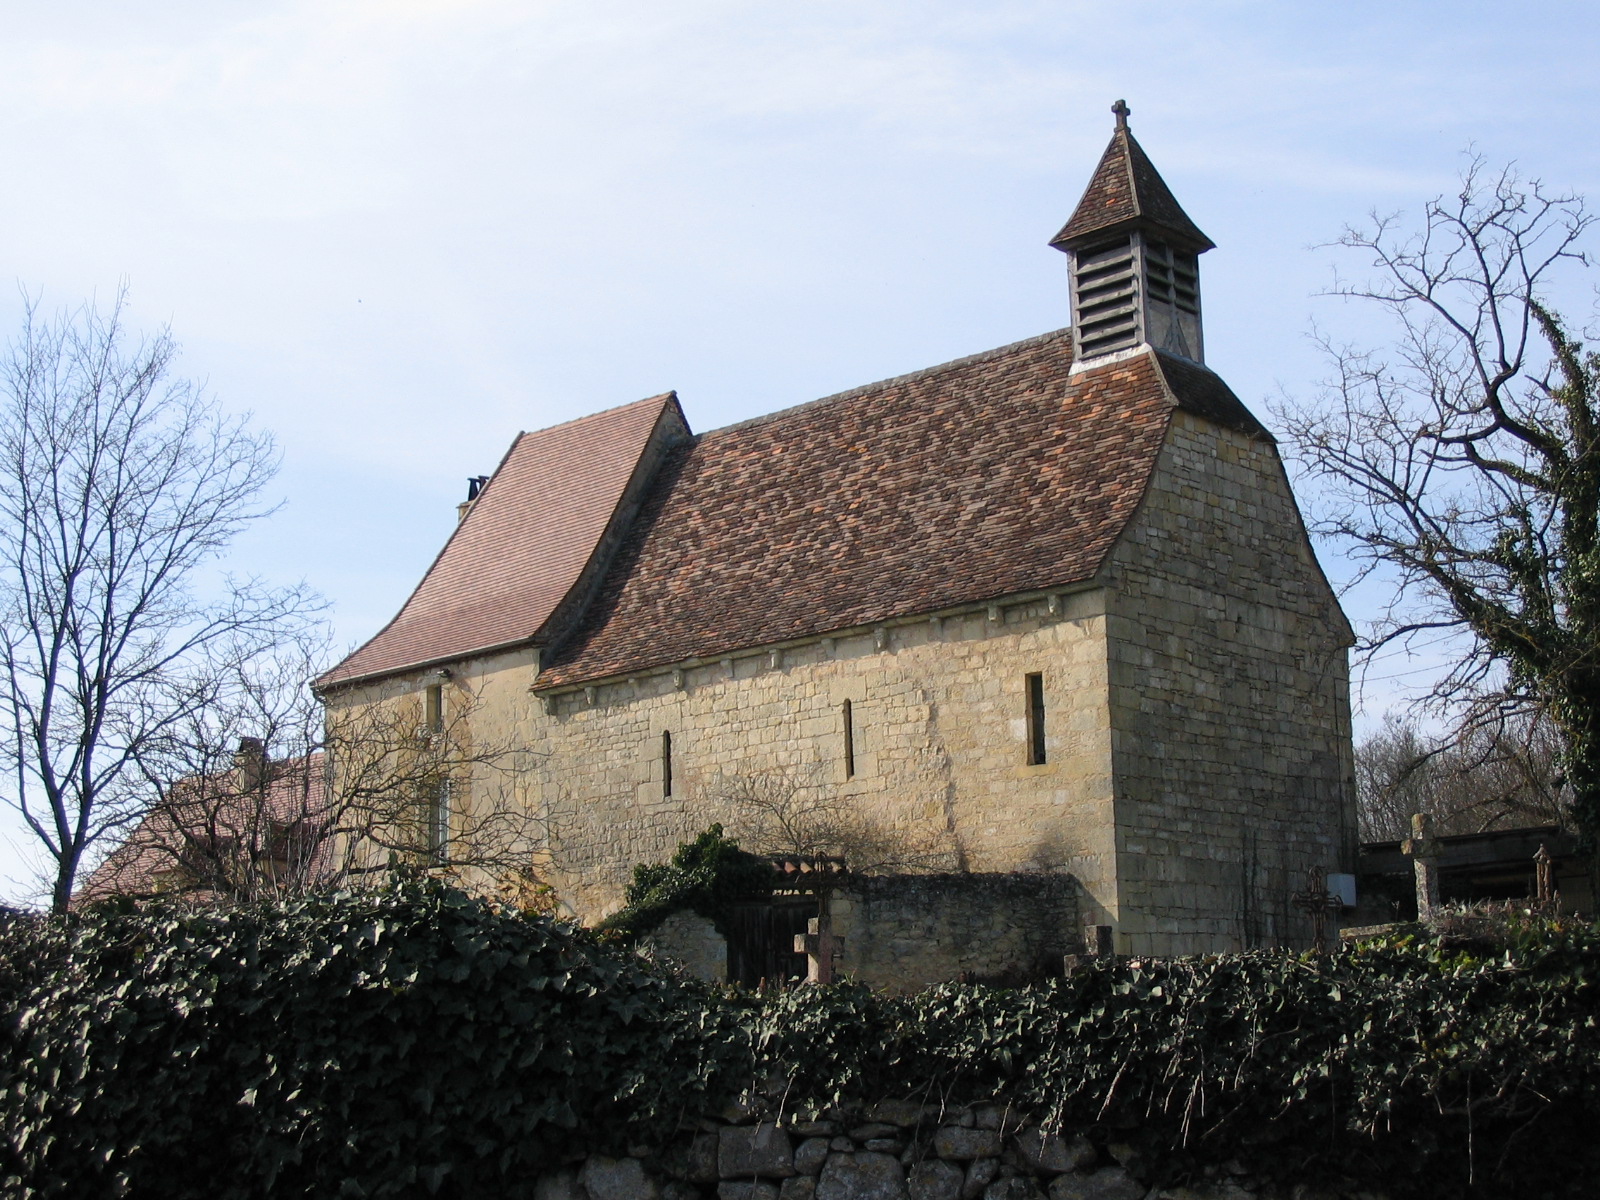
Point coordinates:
[[205, 819], [524, 545], [988, 476], [1127, 189]]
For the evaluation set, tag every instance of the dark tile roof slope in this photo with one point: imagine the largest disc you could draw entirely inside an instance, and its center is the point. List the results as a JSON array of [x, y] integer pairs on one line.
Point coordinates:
[[988, 476], [523, 546], [1125, 188], [1202, 392]]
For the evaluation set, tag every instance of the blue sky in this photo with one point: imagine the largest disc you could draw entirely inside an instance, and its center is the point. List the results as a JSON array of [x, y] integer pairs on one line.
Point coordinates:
[[399, 231]]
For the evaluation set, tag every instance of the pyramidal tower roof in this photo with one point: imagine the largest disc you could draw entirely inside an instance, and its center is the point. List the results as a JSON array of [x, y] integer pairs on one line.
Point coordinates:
[[1127, 190]]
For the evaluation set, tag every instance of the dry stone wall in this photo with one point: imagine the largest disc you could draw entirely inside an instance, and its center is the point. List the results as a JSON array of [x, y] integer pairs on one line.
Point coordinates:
[[693, 943], [1230, 704], [902, 1150]]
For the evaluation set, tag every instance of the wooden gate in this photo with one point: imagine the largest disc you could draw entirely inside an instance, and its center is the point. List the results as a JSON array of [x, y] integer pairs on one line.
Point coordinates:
[[761, 940]]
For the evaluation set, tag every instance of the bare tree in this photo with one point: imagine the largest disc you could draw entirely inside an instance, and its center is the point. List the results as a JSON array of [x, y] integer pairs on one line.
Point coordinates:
[[412, 790], [1396, 774], [239, 804], [1461, 464], [258, 798], [778, 812], [1500, 775], [118, 484]]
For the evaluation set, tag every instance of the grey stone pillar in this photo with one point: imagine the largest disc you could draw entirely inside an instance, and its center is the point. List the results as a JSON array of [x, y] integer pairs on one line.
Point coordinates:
[[1423, 849]]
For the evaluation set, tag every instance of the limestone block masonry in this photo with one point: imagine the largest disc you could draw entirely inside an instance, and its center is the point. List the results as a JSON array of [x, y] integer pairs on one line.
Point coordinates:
[[903, 1150], [1229, 702], [939, 748]]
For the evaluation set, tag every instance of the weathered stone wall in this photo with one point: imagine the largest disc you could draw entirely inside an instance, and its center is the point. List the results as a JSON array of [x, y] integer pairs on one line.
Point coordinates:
[[909, 931], [938, 708], [902, 1150], [691, 941], [904, 932], [1230, 705], [486, 706]]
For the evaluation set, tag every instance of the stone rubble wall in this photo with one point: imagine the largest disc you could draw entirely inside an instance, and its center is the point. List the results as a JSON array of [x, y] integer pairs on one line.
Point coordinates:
[[911, 931], [906, 932], [693, 943], [898, 1150]]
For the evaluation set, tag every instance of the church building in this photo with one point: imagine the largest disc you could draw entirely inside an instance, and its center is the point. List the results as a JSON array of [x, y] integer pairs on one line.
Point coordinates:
[[1046, 614]]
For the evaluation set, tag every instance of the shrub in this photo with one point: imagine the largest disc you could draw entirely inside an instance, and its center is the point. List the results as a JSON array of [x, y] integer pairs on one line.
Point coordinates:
[[1411, 1065], [705, 876], [370, 1045], [417, 1041]]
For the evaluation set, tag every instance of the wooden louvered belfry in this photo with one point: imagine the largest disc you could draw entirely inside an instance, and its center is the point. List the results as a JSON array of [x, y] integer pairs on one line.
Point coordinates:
[[1135, 273]]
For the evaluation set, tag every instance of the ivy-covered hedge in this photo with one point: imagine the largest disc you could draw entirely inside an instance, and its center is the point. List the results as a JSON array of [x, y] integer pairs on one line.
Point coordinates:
[[355, 1045], [1414, 1067], [418, 1042]]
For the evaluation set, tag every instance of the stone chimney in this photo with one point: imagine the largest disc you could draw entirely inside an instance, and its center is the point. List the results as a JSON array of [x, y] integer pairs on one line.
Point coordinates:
[[250, 764]]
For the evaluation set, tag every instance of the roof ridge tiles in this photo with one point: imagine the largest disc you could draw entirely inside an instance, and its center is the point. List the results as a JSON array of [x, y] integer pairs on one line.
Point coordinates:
[[658, 398], [1039, 339]]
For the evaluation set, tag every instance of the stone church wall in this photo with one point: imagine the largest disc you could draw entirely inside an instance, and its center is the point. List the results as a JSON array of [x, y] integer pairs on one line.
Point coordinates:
[[485, 704], [1230, 704], [940, 748]]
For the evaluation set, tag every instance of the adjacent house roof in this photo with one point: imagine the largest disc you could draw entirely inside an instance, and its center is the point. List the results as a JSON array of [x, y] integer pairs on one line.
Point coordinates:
[[1126, 190], [525, 544], [215, 825], [992, 475]]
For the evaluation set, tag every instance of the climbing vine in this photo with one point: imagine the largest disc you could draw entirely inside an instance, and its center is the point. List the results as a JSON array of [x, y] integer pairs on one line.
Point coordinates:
[[705, 876]]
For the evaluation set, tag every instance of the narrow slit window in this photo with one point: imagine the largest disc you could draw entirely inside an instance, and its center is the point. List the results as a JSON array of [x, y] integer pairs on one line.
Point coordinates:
[[433, 709], [666, 764], [1036, 751], [439, 821], [849, 741]]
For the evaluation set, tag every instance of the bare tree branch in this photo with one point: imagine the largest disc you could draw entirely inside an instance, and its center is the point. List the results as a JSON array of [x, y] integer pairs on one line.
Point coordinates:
[[1460, 464], [1500, 770], [779, 812], [118, 484], [258, 798]]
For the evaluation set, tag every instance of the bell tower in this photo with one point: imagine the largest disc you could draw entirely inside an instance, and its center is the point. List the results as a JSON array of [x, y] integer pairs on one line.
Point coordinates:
[[1134, 255]]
